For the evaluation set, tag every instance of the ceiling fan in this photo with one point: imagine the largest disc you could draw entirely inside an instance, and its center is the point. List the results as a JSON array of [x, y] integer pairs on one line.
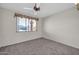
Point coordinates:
[[77, 6], [35, 9]]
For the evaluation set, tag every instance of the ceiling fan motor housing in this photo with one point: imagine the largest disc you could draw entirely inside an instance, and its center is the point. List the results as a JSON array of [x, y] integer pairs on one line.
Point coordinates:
[[77, 6], [36, 8]]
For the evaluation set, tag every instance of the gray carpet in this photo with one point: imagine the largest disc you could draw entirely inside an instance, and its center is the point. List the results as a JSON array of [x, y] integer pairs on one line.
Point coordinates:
[[40, 46]]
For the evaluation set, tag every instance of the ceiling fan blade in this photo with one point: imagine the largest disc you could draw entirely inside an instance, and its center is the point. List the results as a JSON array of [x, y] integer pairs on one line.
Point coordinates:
[[28, 8]]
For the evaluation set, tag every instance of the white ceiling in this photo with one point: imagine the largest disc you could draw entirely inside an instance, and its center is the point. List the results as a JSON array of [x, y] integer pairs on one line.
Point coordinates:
[[46, 9]]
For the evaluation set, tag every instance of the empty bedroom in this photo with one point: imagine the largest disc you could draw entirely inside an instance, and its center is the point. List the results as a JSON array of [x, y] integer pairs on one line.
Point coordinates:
[[39, 29]]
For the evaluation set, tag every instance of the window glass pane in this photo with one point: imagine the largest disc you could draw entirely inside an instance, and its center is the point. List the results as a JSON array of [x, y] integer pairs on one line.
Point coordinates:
[[29, 24], [21, 24], [26, 24]]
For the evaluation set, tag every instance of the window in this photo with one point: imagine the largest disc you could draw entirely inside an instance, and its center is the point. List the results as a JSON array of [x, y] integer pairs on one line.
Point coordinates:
[[25, 24]]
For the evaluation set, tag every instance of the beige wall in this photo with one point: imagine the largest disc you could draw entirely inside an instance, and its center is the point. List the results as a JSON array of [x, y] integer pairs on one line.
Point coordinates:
[[1, 37], [63, 27], [8, 29]]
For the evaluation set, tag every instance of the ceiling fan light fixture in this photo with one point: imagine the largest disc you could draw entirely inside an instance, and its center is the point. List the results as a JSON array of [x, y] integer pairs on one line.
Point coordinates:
[[36, 13]]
